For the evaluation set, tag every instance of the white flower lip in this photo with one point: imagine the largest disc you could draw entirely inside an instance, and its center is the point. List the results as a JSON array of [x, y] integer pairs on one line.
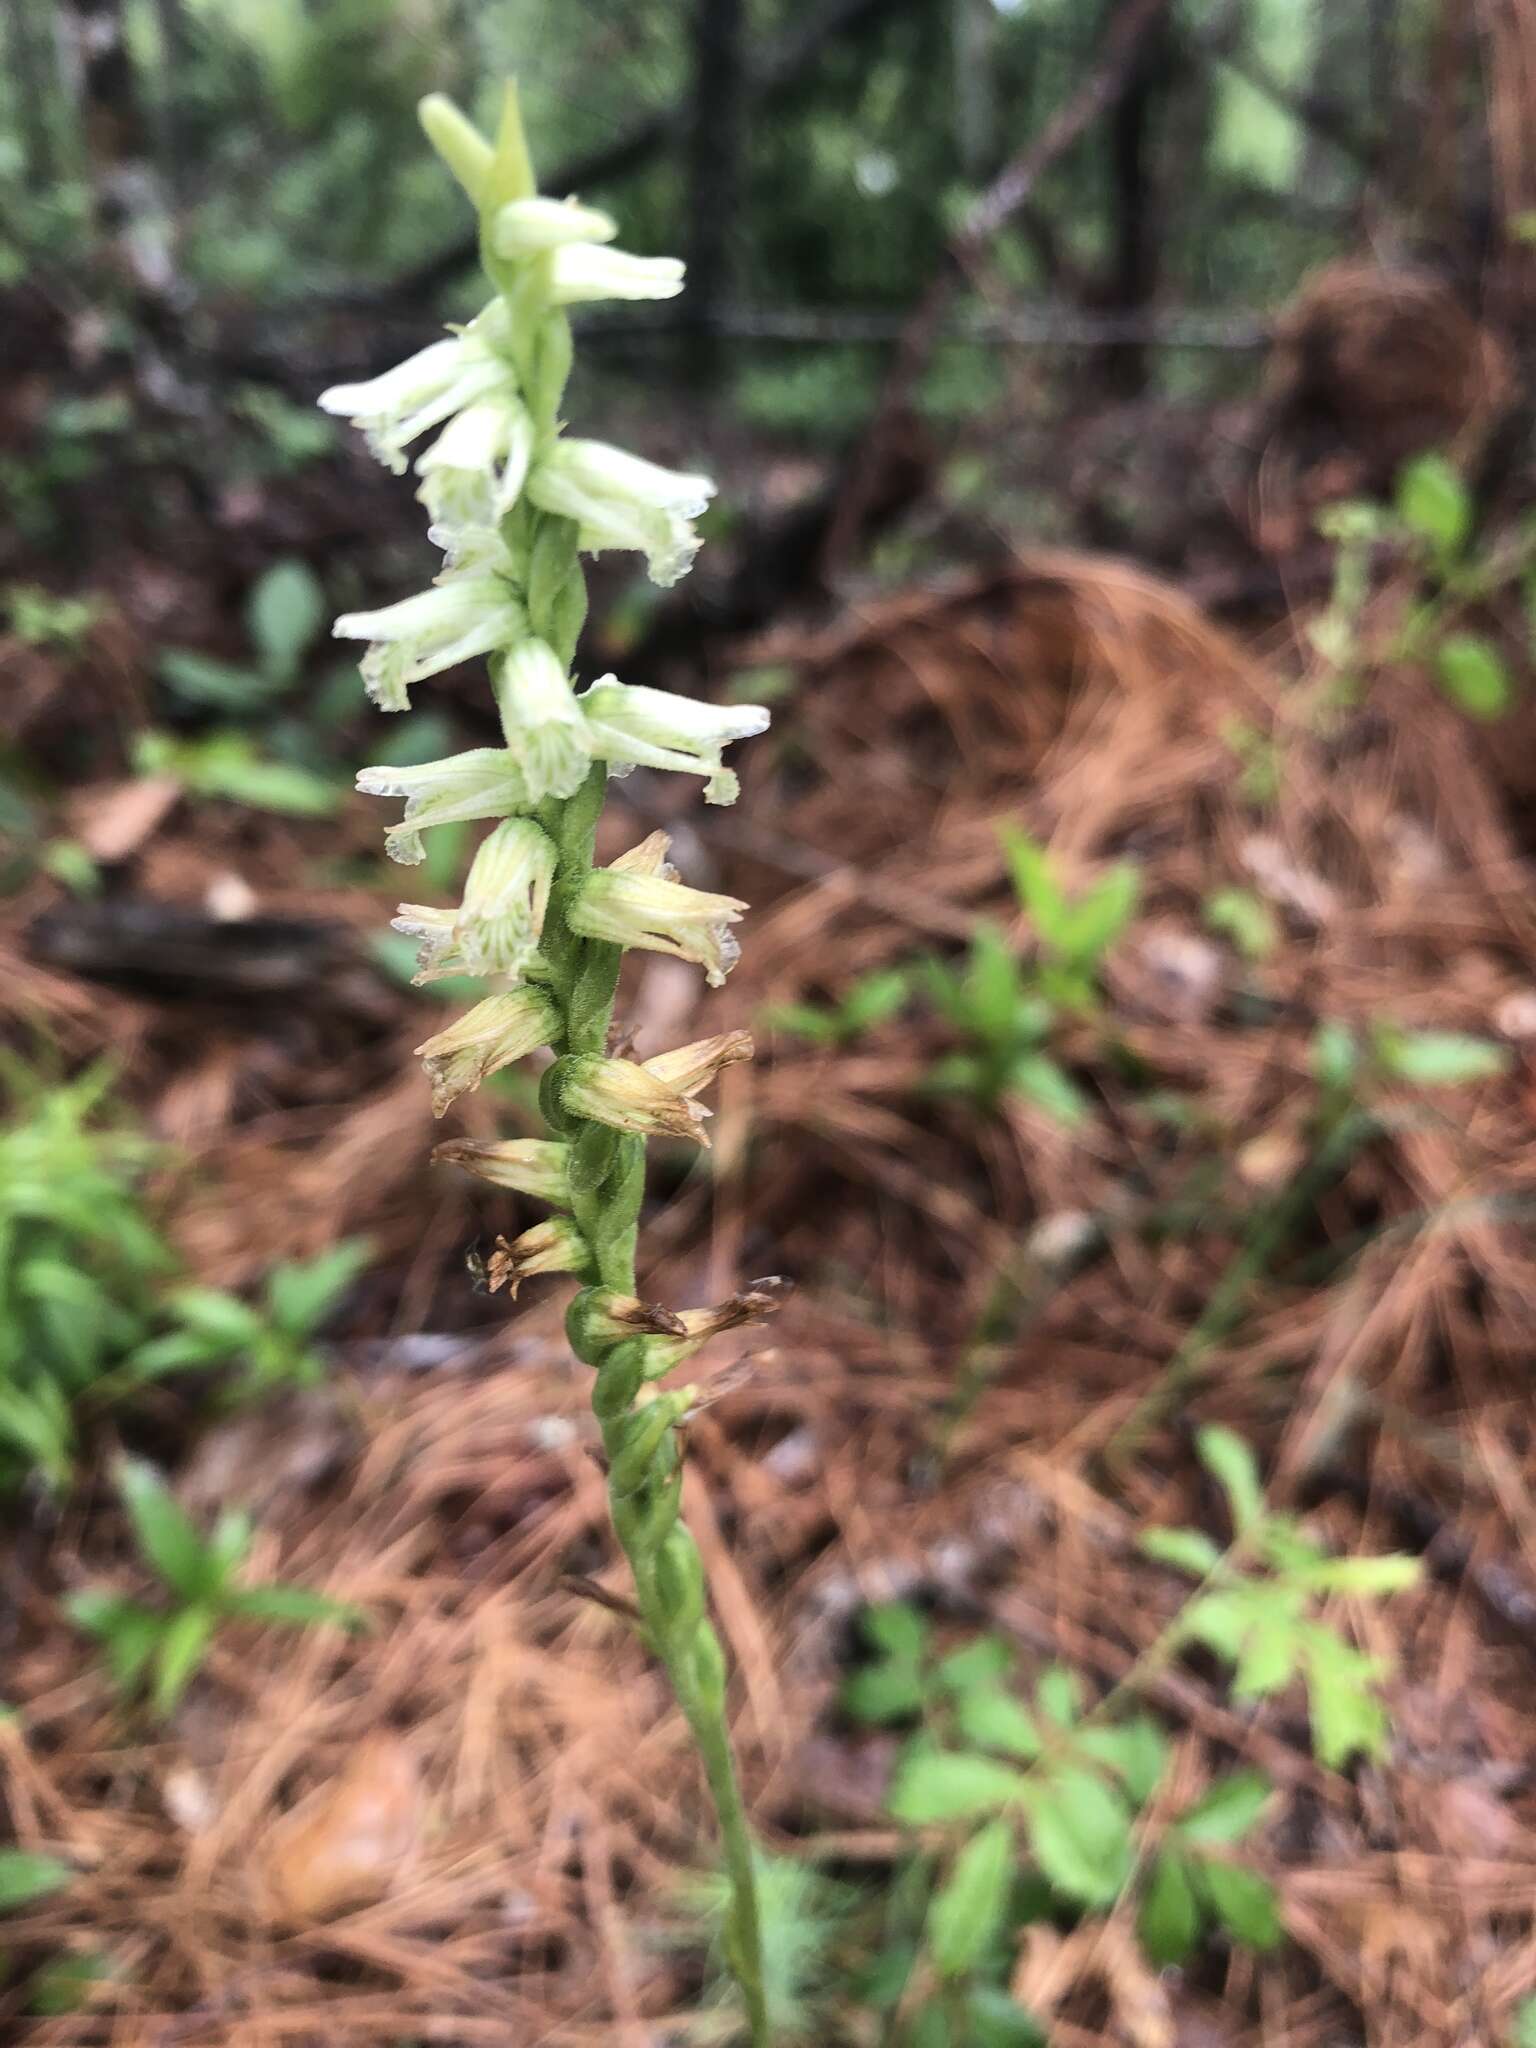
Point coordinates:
[[583, 273], [632, 726], [528, 227], [622, 501], [473, 473], [486, 782], [462, 615], [427, 388]]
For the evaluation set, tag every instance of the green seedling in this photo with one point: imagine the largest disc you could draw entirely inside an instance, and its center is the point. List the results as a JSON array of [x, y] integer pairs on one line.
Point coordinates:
[[1073, 933], [285, 612], [1259, 1607], [41, 619], [993, 1003], [270, 1347], [871, 1000], [228, 766], [154, 1652], [1243, 917]]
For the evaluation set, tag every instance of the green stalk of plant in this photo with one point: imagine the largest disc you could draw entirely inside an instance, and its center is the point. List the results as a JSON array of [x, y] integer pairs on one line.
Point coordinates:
[[513, 502]]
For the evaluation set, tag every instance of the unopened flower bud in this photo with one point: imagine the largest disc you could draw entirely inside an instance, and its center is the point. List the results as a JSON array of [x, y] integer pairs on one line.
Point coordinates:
[[528, 1166], [625, 1096], [484, 1040], [553, 1246], [539, 715], [528, 227], [581, 273]]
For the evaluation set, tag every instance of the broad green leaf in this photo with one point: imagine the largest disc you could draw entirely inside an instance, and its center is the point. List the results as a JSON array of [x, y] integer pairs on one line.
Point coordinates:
[[1268, 1657], [1434, 503], [1187, 1550], [284, 612], [1135, 1750], [1058, 1695], [1473, 675], [942, 1785], [1080, 1833], [981, 1663], [301, 1296], [880, 1693], [221, 1319], [896, 1628], [1438, 1059], [968, 1909], [994, 2020], [1228, 1810], [182, 1647], [1230, 1462], [1347, 1717], [1222, 1621], [1243, 1902], [169, 1542], [1169, 1920], [994, 1719], [295, 1604], [25, 1876]]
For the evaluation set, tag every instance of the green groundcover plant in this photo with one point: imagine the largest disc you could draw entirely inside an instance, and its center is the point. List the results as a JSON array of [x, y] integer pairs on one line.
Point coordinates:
[[513, 502]]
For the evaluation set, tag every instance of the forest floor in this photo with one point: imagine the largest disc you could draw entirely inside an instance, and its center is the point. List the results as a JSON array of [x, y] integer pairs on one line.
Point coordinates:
[[981, 1393]]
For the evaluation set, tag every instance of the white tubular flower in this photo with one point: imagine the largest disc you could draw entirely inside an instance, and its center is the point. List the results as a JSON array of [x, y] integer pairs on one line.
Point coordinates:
[[527, 227], [636, 903], [528, 1166], [496, 929], [554, 1246], [464, 614], [625, 1097], [485, 1039], [486, 782], [581, 273], [620, 501], [427, 388], [542, 722], [690, 1068], [474, 472], [630, 726]]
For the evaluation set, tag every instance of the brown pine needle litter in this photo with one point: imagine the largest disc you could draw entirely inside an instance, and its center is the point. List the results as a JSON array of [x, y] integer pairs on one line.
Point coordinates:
[[494, 1763]]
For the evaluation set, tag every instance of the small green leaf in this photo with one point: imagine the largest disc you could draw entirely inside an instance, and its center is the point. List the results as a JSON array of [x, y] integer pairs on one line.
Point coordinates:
[[301, 1296], [1472, 674], [1040, 1079], [993, 1719], [1347, 1717], [1243, 1902], [1268, 1657], [1230, 1462], [981, 1663], [182, 1647], [1080, 1833], [1368, 1577], [1057, 1695], [875, 998], [1434, 503], [881, 1693], [994, 2020], [1135, 1750], [1524, 2035], [1438, 1059], [1246, 919], [1187, 1550], [169, 1542], [968, 1909], [1091, 926], [222, 1320], [1228, 1810], [1169, 1921], [941, 1785], [284, 612], [203, 679], [63, 1984], [295, 1604], [1335, 1057], [25, 1876], [896, 1628]]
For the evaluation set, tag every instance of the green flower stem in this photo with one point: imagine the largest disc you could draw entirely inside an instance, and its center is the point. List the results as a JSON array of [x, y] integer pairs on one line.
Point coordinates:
[[608, 1172]]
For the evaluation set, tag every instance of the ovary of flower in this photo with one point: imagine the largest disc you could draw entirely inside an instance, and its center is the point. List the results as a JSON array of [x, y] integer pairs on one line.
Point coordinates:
[[491, 1036], [486, 782], [528, 227], [626, 1098], [496, 929], [428, 387], [650, 910], [465, 613], [543, 725], [474, 471], [631, 726], [580, 273], [622, 501]]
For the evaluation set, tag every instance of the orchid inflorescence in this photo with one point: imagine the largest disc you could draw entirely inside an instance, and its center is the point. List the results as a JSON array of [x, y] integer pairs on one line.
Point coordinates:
[[513, 502]]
